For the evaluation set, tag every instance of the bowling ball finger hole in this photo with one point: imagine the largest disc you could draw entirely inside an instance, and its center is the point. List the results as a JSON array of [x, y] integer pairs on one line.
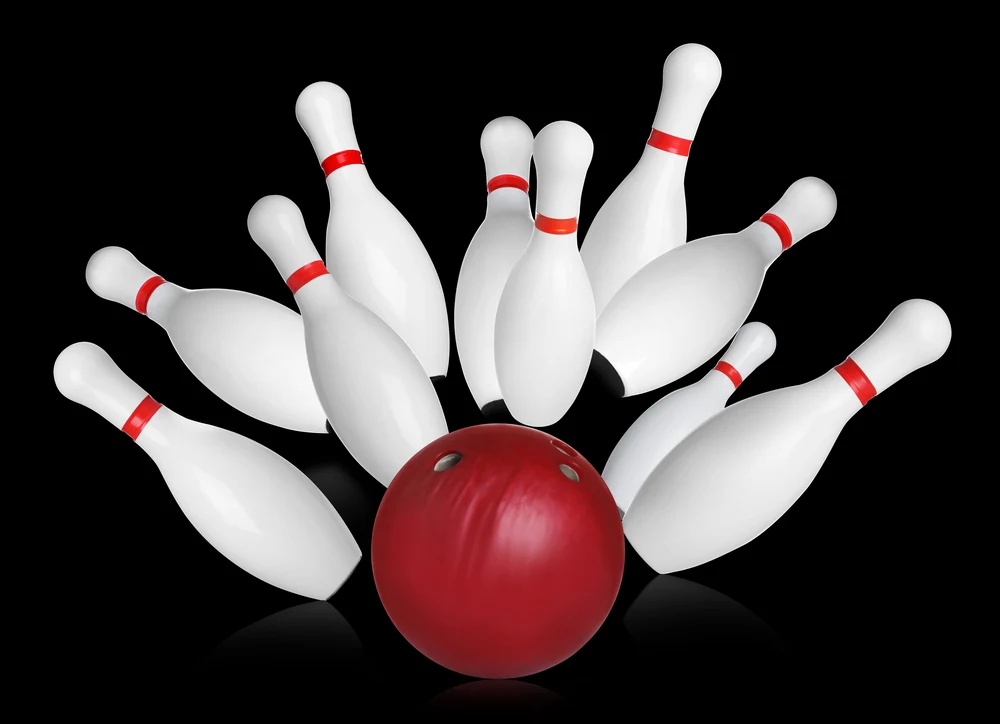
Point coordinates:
[[448, 461], [563, 449], [569, 473]]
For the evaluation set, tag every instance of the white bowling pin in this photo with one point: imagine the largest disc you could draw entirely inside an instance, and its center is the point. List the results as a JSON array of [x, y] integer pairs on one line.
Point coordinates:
[[378, 399], [647, 214], [372, 251], [734, 476], [494, 250], [248, 350], [681, 308], [672, 418], [544, 337], [251, 504]]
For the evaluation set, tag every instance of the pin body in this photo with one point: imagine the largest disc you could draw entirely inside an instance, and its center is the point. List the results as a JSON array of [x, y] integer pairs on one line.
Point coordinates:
[[252, 505], [371, 249], [736, 474], [681, 308], [378, 399], [495, 248], [646, 216], [668, 421], [248, 350], [544, 335]]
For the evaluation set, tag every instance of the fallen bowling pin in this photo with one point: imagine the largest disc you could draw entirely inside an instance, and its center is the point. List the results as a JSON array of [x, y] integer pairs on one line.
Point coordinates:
[[372, 251], [682, 307], [734, 476], [248, 350], [646, 216], [660, 428], [544, 336], [376, 395], [251, 504], [495, 248]]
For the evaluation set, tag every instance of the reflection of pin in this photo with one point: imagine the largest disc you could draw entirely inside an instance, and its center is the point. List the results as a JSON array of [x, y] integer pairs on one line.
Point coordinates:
[[733, 477], [497, 695], [312, 639], [251, 504]]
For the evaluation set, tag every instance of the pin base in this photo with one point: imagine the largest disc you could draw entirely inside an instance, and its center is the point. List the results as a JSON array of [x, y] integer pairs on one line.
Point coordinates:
[[607, 374], [497, 411], [329, 428]]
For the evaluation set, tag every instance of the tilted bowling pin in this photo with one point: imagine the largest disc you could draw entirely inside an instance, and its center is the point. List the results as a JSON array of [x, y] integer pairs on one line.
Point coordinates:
[[681, 308], [544, 337], [672, 418], [497, 245], [252, 505], [372, 251], [378, 399], [248, 350], [647, 214], [734, 476]]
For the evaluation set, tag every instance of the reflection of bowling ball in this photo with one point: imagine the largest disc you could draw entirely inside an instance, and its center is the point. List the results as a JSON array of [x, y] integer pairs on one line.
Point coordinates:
[[675, 622], [309, 640], [501, 697]]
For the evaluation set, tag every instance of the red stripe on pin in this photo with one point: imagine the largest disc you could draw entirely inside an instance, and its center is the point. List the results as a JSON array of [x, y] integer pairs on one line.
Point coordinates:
[[306, 274], [780, 227], [729, 371], [668, 143], [506, 181], [857, 379], [555, 226], [344, 158], [145, 291], [140, 416]]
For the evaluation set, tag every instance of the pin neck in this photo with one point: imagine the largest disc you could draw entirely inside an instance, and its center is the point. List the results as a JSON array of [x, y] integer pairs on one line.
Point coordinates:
[[780, 228], [506, 181], [670, 144], [142, 414], [337, 160], [555, 226], [857, 380], [305, 274], [146, 291], [729, 371]]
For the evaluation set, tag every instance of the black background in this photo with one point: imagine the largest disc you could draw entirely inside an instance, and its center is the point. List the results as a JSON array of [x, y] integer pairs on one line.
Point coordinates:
[[181, 137]]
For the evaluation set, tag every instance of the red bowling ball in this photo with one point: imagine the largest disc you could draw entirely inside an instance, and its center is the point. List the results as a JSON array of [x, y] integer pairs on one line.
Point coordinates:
[[497, 551]]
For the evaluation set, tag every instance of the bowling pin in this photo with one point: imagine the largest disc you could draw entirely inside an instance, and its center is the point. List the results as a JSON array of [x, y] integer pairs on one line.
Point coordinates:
[[251, 504], [378, 399], [647, 214], [495, 248], [681, 308], [672, 418], [248, 350], [372, 251], [544, 337], [734, 476]]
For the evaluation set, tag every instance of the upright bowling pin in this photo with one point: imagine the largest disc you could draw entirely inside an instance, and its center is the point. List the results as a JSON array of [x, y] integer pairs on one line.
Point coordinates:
[[544, 337], [682, 307], [672, 418], [378, 399], [248, 350], [251, 504], [495, 248], [734, 476], [372, 251], [647, 214]]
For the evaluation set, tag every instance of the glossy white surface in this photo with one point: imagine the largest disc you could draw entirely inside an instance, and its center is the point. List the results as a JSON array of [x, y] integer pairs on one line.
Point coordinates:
[[683, 307], [252, 505], [736, 474], [379, 400], [544, 336], [646, 215], [248, 350], [371, 250], [495, 248], [672, 418]]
